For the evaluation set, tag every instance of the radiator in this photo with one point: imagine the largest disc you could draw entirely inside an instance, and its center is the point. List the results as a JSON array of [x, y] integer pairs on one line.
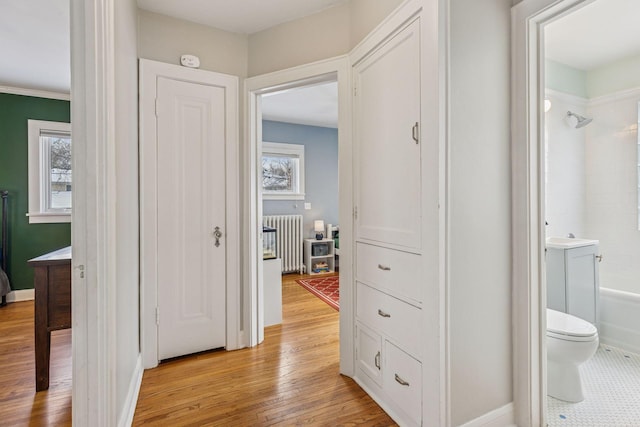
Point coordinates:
[[288, 240]]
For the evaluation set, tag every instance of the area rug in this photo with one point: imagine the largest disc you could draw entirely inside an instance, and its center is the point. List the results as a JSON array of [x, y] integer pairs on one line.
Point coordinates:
[[325, 288]]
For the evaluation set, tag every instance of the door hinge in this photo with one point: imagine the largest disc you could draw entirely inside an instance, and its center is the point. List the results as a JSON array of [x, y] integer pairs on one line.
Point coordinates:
[[355, 91], [157, 315], [355, 212]]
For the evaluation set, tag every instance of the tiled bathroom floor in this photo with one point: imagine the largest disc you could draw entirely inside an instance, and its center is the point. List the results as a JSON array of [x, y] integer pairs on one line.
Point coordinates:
[[611, 384]]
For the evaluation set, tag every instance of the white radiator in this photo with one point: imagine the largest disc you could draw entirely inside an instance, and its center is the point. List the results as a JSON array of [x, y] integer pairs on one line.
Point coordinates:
[[288, 240]]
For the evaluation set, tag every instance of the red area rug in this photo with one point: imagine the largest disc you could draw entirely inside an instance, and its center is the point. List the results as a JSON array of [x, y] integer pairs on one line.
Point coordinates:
[[325, 288]]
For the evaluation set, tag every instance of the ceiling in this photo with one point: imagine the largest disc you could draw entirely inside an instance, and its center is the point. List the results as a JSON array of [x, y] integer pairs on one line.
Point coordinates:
[[595, 35], [238, 16], [35, 47], [311, 105]]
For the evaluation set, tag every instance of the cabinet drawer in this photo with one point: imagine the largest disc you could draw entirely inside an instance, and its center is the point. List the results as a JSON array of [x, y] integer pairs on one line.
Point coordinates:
[[403, 381], [369, 352], [396, 319], [395, 271]]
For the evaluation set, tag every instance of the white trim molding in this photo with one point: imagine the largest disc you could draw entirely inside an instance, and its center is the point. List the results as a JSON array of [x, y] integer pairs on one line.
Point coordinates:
[[150, 71], [501, 417], [567, 97], [35, 93], [21, 295], [529, 294], [93, 228], [131, 400], [633, 93]]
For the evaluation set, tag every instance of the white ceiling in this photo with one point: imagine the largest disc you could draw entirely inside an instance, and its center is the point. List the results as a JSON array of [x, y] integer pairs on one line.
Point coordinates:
[[597, 34], [238, 16], [311, 105], [35, 44]]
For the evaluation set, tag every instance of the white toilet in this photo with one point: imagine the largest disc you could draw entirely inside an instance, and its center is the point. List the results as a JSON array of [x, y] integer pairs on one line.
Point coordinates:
[[571, 341]]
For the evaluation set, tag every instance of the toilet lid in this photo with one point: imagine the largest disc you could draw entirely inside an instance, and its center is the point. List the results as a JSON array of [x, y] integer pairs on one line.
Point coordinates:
[[568, 325]]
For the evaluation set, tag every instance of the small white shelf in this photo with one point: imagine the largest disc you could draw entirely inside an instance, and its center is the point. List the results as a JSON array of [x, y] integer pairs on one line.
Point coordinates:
[[319, 252]]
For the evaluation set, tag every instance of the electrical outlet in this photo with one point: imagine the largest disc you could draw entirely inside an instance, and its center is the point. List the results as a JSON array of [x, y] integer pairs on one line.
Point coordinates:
[[307, 206]]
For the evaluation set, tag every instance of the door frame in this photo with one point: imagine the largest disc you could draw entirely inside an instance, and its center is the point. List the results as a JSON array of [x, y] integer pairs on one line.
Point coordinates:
[[93, 227], [334, 69], [148, 74], [529, 288]]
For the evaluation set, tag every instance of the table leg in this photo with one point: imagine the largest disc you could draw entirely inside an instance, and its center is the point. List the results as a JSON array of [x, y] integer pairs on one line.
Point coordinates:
[[42, 333]]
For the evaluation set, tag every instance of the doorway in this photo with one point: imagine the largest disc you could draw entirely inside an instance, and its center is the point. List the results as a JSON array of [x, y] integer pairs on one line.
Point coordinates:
[[333, 70], [532, 205], [299, 193]]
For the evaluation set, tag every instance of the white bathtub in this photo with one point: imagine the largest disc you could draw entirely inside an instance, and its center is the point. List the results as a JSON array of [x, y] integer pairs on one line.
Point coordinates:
[[619, 324]]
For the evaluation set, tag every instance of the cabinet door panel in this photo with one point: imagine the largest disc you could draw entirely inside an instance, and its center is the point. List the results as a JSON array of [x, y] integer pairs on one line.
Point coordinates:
[[388, 176], [582, 282], [369, 352]]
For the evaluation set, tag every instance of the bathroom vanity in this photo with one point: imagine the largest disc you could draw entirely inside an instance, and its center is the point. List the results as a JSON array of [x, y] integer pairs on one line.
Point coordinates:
[[573, 277]]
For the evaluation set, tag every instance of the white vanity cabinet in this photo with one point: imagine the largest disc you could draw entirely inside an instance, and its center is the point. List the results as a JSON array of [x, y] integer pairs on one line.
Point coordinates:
[[389, 194], [573, 277]]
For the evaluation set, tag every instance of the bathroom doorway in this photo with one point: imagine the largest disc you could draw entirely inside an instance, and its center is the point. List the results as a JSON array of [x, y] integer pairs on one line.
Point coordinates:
[[591, 234]]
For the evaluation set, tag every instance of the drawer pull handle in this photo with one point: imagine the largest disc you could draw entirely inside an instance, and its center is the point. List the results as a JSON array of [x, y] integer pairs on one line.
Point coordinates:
[[383, 314], [401, 381], [377, 360], [384, 267]]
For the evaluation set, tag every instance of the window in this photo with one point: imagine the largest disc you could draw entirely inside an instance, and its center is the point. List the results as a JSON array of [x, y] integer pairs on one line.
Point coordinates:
[[50, 180], [282, 171]]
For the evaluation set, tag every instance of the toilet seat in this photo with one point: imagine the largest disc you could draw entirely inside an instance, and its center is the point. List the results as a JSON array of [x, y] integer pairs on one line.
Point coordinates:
[[569, 328]]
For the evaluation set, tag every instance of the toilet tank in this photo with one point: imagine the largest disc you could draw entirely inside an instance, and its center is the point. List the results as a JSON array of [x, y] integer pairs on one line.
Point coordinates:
[[573, 278]]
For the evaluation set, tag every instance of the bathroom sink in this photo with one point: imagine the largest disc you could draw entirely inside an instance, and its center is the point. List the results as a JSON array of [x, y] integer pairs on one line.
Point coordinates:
[[566, 242]]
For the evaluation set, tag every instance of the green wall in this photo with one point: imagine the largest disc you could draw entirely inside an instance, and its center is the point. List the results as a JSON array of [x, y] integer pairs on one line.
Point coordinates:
[[26, 240], [564, 78]]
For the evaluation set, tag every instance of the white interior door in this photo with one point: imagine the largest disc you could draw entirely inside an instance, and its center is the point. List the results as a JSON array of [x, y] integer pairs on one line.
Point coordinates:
[[191, 203]]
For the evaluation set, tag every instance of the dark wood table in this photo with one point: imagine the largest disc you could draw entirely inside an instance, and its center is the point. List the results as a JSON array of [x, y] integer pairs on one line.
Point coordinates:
[[53, 305]]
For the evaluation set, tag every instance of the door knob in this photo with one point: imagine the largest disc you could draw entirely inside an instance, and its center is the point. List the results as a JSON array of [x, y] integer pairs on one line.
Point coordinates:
[[217, 234]]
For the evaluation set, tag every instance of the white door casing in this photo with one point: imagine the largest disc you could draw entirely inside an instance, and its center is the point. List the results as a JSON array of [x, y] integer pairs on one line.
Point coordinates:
[[321, 71], [154, 213], [527, 150], [191, 206]]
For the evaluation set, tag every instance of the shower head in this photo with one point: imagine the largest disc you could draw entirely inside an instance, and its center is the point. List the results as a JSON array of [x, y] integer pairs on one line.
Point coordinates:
[[582, 121]]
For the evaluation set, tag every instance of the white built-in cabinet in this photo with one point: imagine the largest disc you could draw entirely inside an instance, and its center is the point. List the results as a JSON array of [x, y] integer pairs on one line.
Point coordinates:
[[389, 225]]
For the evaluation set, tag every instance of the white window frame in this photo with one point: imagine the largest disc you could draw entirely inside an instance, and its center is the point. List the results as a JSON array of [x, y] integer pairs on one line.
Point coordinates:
[[285, 150], [38, 212]]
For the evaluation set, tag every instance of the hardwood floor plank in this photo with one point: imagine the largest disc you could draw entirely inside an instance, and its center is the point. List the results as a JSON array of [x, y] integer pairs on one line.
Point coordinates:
[[20, 405], [290, 379]]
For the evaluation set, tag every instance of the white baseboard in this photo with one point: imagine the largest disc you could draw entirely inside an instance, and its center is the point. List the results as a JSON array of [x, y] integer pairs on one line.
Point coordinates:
[[620, 319], [21, 295], [131, 401], [501, 417]]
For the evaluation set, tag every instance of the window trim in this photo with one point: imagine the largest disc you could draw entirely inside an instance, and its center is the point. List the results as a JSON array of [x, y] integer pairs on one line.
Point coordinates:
[[36, 164], [285, 150]]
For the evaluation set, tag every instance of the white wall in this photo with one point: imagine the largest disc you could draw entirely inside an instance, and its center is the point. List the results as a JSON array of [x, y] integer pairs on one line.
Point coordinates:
[[163, 38], [565, 167], [319, 36], [326, 34], [127, 214], [611, 183], [480, 209]]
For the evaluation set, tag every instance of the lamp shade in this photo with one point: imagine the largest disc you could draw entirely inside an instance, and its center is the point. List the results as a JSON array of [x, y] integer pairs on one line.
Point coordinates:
[[318, 225]]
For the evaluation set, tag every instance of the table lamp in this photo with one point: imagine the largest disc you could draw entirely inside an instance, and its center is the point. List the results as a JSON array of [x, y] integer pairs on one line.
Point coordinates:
[[318, 226]]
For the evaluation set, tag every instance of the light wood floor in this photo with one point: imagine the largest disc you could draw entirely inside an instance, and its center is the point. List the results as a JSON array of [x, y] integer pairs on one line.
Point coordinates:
[[20, 405], [290, 379]]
